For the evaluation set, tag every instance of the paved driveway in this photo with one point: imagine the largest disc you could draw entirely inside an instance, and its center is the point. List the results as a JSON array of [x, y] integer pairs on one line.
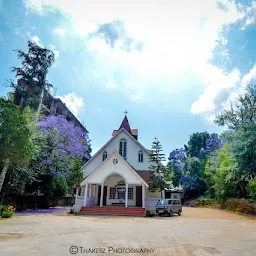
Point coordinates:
[[196, 232]]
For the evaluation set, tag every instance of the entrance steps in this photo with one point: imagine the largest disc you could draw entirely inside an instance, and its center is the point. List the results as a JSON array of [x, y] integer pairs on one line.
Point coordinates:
[[113, 211]]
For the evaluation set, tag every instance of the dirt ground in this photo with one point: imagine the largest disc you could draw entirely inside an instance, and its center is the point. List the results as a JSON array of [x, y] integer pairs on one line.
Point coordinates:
[[197, 232]]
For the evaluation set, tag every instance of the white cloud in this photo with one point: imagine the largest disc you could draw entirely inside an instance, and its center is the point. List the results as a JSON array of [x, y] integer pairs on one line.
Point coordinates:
[[178, 42], [36, 39], [220, 89], [110, 85], [74, 103], [59, 31], [53, 49]]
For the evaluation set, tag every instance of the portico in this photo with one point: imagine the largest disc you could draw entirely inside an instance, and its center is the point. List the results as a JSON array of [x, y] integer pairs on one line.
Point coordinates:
[[114, 183]]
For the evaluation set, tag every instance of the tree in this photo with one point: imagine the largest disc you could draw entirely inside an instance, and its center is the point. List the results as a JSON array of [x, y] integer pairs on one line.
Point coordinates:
[[241, 121], [158, 171], [31, 77], [243, 114], [252, 188], [64, 144], [197, 143], [15, 138], [176, 164], [221, 174]]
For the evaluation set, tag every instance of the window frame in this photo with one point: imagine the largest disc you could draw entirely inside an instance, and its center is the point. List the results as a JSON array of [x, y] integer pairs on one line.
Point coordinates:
[[123, 148], [104, 156], [130, 193], [112, 198], [140, 156]]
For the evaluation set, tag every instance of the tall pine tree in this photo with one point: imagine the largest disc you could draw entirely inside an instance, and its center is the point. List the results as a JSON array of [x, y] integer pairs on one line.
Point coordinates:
[[158, 171]]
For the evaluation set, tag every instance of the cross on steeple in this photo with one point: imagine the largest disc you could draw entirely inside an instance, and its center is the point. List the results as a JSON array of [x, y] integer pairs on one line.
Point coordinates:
[[125, 112]]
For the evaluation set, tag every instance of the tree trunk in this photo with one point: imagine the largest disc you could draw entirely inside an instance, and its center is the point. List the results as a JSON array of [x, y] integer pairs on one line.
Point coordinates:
[[40, 105], [3, 173], [242, 189]]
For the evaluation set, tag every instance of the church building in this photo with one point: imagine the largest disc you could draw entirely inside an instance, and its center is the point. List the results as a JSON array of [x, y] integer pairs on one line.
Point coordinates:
[[116, 177]]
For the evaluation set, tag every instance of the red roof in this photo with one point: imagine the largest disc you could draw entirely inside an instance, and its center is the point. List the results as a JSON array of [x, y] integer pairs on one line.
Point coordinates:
[[125, 124], [145, 175]]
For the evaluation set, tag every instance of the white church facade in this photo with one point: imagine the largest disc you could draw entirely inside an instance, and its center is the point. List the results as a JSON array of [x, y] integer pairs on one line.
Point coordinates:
[[117, 175]]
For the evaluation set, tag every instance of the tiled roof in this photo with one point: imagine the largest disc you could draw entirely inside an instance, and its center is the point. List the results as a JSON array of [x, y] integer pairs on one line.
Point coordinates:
[[145, 175]]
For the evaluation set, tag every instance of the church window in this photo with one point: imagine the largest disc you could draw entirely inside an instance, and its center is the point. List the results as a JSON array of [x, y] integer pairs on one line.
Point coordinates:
[[105, 155], [121, 183], [123, 148], [130, 193], [140, 156], [112, 193]]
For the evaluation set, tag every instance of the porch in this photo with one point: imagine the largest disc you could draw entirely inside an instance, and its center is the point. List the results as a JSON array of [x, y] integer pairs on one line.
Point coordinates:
[[113, 192]]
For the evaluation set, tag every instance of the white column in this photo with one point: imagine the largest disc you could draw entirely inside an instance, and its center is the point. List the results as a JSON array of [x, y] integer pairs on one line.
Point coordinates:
[[101, 194], [85, 193], [143, 196], [126, 194], [77, 192], [90, 190]]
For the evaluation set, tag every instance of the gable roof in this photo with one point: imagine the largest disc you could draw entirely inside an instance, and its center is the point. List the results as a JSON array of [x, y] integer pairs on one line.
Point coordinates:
[[124, 130], [134, 132], [121, 159]]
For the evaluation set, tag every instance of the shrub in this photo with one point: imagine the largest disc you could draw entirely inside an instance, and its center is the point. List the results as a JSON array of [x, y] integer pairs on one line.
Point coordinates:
[[252, 188], [204, 201], [148, 214], [241, 205], [7, 212]]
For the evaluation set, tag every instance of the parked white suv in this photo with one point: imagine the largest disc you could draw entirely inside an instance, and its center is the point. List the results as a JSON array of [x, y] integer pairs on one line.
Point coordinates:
[[168, 206]]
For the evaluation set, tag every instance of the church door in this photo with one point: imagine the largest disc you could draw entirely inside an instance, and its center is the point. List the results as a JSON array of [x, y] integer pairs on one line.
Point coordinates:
[[104, 195], [139, 196]]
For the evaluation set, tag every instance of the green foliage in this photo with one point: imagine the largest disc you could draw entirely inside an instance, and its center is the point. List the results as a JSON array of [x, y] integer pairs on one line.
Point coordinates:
[[196, 143], [204, 202], [6, 212], [31, 76], [241, 205], [158, 171], [220, 174], [59, 186], [242, 114], [15, 139], [252, 188], [148, 214]]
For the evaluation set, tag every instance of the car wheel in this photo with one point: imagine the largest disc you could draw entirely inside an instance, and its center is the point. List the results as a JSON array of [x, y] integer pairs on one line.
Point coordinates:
[[159, 214], [170, 214], [179, 212]]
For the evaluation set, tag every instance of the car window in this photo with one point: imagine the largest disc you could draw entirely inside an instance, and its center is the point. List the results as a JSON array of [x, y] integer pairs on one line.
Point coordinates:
[[169, 201], [162, 202]]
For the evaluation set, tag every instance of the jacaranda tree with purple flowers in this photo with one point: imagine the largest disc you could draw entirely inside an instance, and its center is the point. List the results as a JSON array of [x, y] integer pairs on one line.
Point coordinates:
[[64, 143], [65, 149], [176, 164]]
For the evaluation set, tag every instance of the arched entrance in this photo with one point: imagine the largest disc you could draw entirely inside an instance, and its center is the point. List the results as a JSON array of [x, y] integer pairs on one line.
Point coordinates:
[[114, 191]]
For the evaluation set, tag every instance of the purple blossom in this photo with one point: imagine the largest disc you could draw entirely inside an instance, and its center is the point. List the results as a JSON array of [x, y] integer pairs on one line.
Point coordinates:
[[64, 142]]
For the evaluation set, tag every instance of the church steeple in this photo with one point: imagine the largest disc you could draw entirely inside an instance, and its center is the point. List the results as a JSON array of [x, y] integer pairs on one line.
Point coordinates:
[[125, 124]]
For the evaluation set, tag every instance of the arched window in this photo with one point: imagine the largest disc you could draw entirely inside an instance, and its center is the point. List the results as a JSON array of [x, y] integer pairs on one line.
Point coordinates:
[[121, 183], [105, 155], [140, 155], [123, 148]]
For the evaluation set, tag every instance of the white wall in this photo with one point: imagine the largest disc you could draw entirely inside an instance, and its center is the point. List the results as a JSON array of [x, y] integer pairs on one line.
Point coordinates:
[[108, 168], [132, 154]]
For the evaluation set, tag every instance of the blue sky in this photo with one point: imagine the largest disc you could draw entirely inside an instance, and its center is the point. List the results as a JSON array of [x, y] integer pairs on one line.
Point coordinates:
[[172, 64]]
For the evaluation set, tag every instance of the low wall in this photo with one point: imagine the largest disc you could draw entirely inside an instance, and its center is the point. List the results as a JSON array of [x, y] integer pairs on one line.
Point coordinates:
[[150, 204]]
